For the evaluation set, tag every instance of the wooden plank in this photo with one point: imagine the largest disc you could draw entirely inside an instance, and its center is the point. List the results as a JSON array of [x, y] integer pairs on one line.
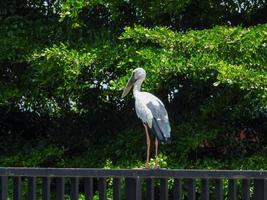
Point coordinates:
[[17, 188], [74, 188], [245, 189], [177, 189], [133, 189], [232, 191], [160, 173], [163, 189], [60, 188], [205, 189], [46, 181], [150, 193], [191, 189], [260, 189], [31, 188], [4, 187], [116, 189], [102, 186], [88, 188], [218, 189]]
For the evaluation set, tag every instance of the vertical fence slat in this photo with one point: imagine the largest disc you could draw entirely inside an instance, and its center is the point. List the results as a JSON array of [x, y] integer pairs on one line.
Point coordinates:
[[88, 188], [191, 189], [60, 188], [163, 189], [116, 189], [46, 188], [204, 189], [150, 193], [138, 189], [232, 189], [218, 189], [245, 189], [4, 187], [133, 188], [74, 188], [31, 188], [260, 189], [17, 188], [102, 185], [177, 189]]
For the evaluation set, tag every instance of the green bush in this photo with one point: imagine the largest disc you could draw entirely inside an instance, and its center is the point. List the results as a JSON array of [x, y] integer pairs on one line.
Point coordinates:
[[62, 86]]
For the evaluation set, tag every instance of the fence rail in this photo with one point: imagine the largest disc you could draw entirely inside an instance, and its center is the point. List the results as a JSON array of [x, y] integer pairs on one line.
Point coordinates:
[[137, 184]]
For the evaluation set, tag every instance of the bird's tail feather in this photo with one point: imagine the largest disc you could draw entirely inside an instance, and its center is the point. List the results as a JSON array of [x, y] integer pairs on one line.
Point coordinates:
[[159, 134]]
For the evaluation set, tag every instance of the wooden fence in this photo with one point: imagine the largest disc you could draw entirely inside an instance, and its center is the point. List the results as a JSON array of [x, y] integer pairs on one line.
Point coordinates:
[[58, 183]]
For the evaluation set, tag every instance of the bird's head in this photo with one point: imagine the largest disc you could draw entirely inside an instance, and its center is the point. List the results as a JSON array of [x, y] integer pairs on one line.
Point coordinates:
[[137, 74]]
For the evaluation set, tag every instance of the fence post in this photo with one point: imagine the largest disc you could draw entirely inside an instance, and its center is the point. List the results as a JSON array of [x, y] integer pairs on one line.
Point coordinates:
[[260, 189], [150, 189], [17, 188], [218, 189], [46, 188], [191, 189], [205, 189], [60, 188], [74, 188], [133, 188], [31, 188], [4, 187], [163, 189], [102, 186], [232, 189], [116, 189], [88, 188], [245, 189], [177, 189]]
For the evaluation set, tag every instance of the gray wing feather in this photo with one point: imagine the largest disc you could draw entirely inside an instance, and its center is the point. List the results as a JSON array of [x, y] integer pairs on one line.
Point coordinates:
[[160, 123]]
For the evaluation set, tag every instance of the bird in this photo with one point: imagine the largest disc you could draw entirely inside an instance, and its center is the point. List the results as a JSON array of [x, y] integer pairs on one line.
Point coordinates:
[[152, 113]]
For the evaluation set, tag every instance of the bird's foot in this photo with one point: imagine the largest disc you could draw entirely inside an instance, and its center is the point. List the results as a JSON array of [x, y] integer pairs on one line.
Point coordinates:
[[156, 166], [147, 166]]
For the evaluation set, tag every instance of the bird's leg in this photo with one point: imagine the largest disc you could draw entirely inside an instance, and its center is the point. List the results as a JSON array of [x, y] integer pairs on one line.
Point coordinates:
[[156, 153], [147, 146]]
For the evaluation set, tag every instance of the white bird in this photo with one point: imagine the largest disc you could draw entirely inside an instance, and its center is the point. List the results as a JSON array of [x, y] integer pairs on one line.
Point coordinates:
[[151, 111]]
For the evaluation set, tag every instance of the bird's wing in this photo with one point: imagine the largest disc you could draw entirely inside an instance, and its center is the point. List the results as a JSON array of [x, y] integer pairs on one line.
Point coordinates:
[[142, 110], [160, 122]]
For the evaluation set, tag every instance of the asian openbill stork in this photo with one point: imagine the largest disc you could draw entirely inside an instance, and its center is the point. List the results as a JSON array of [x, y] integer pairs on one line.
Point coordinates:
[[151, 111]]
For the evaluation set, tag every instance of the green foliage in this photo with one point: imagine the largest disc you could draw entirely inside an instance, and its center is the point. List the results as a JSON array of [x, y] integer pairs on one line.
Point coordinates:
[[180, 14], [54, 74], [191, 67], [141, 9], [61, 82], [225, 52], [41, 156]]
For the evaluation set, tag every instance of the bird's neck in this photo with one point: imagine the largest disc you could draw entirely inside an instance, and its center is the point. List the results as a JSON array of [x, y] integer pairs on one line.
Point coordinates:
[[137, 86]]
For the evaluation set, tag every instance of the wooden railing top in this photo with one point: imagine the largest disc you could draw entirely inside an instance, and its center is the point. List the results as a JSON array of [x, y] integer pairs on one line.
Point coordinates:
[[143, 173]]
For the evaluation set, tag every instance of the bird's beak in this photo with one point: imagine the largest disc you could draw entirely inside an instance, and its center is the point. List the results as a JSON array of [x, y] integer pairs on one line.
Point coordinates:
[[128, 86]]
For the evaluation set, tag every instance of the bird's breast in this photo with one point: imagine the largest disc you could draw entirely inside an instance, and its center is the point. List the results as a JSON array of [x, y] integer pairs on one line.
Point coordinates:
[[143, 112]]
